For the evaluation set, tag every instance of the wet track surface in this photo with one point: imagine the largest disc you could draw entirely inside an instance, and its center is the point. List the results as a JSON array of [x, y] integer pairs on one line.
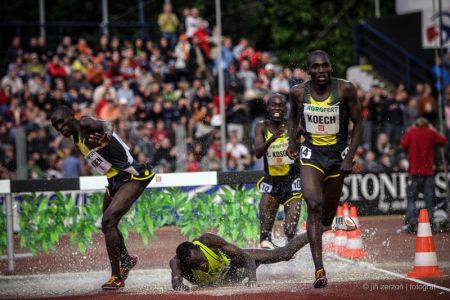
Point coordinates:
[[67, 274]]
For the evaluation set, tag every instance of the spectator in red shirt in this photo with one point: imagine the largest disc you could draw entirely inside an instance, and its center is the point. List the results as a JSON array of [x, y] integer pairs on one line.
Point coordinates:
[[202, 34], [159, 133], [192, 165], [420, 141], [56, 68]]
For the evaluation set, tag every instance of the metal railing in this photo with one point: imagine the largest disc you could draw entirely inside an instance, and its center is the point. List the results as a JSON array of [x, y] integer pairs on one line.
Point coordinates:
[[55, 30], [390, 59]]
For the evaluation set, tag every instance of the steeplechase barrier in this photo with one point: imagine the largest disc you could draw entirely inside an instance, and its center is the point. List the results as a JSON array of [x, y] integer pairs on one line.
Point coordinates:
[[375, 194]]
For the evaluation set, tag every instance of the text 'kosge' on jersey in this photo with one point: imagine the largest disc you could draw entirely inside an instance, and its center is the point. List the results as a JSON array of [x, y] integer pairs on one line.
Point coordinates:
[[324, 122], [277, 161]]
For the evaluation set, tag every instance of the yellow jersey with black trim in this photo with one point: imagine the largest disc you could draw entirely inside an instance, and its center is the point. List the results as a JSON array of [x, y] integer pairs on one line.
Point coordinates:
[[324, 123], [110, 160], [276, 160], [216, 266]]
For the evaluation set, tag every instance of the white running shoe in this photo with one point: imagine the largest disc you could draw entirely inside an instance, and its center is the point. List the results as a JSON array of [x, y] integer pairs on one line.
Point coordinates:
[[344, 223], [265, 244]]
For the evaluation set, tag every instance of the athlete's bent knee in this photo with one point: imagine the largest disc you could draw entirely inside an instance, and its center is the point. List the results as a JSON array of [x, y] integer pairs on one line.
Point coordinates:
[[109, 222]]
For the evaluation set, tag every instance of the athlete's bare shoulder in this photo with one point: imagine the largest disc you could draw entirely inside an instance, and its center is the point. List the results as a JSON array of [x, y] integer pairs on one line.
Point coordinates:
[[347, 89], [86, 121], [91, 124], [298, 88], [210, 239], [345, 85], [297, 92]]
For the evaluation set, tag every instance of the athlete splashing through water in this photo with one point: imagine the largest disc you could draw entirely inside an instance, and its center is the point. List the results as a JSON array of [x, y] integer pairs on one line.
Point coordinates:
[[109, 156], [281, 182], [321, 108]]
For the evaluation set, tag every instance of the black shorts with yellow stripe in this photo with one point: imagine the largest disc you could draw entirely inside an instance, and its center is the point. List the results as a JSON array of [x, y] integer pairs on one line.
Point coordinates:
[[145, 175], [283, 188], [326, 159]]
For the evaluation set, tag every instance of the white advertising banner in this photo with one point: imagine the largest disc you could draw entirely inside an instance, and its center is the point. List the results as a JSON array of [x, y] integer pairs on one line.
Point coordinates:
[[430, 28]]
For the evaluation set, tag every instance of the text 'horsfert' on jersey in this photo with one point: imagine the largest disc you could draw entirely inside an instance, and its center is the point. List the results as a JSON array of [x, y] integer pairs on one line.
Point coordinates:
[[324, 123]]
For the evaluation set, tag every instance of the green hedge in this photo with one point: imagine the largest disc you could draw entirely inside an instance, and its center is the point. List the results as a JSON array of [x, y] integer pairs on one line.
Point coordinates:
[[232, 211]]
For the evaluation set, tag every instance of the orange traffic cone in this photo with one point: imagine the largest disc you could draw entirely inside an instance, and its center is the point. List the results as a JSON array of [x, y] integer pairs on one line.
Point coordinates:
[[354, 246], [328, 241], [345, 209], [425, 261], [340, 236], [354, 215]]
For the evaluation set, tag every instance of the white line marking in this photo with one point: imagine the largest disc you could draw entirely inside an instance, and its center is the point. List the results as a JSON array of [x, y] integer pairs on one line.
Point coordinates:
[[370, 266], [18, 255]]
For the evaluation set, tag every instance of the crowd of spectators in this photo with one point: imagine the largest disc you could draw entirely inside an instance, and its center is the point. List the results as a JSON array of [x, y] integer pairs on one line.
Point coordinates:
[[161, 95]]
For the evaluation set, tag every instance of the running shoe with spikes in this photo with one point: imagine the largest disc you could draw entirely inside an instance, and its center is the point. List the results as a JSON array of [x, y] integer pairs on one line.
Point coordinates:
[[321, 279], [266, 244], [126, 266], [114, 283], [344, 223]]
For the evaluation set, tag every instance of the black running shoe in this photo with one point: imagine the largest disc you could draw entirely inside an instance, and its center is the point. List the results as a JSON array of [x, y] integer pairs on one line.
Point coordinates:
[[321, 279]]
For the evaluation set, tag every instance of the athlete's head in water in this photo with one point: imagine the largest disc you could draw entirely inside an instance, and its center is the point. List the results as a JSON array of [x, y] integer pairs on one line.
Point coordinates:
[[62, 118], [276, 107], [190, 256], [319, 67]]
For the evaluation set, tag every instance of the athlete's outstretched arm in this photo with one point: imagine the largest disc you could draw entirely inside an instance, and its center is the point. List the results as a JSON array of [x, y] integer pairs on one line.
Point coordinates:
[[351, 99], [285, 253], [177, 277], [236, 254], [294, 119]]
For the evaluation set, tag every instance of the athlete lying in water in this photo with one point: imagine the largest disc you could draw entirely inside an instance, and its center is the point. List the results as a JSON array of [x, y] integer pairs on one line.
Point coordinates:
[[210, 260]]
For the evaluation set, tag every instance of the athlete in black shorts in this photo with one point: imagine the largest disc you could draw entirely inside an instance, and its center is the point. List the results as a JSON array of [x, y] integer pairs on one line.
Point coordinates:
[[281, 181], [109, 156], [324, 105]]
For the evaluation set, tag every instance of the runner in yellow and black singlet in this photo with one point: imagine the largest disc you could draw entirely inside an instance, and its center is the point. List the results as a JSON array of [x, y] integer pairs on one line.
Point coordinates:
[[325, 129], [321, 110], [210, 260], [127, 179], [281, 181]]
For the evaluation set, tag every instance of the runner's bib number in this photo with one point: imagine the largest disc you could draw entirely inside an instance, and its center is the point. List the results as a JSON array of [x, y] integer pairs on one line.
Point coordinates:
[[296, 185], [305, 152], [344, 153], [265, 187], [101, 165], [320, 119]]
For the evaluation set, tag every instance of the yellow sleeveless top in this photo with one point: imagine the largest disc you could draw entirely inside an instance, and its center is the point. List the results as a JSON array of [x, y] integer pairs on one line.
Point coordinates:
[[276, 161], [216, 264], [324, 139], [324, 123]]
